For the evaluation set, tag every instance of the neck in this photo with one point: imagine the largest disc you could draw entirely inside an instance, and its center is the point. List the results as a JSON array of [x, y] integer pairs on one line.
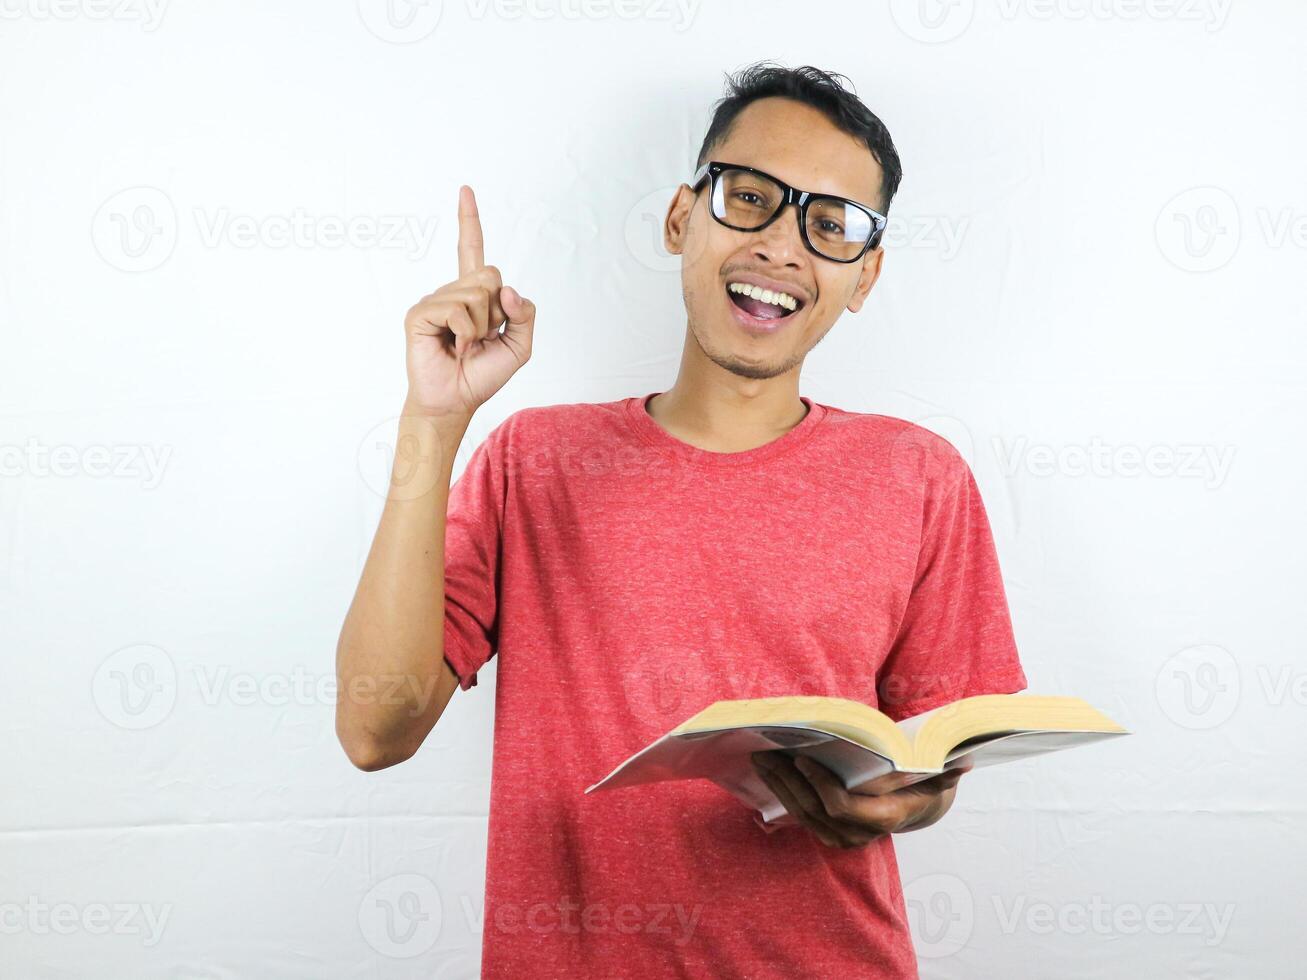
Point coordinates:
[[725, 413]]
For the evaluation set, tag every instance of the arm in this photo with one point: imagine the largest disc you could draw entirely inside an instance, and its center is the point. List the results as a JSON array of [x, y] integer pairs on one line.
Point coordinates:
[[393, 681]]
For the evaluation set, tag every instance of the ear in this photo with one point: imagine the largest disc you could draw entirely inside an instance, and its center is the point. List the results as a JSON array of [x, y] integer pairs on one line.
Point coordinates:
[[870, 273], [678, 220]]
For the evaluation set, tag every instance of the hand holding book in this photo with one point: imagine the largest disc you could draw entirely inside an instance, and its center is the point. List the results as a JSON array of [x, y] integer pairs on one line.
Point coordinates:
[[892, 803], [867, 753]]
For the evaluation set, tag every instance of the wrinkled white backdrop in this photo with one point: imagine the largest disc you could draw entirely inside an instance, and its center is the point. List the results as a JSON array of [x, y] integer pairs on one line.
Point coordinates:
[[212, 219]]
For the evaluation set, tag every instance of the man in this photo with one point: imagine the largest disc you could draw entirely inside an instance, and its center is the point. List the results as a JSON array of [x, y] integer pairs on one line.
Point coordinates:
[[632, 562]]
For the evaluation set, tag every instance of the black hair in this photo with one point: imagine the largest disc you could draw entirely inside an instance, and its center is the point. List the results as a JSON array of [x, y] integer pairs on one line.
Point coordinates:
[[824, 91]]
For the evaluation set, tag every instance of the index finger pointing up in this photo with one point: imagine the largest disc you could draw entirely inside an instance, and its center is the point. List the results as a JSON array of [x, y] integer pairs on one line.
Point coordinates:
[[471, 246]]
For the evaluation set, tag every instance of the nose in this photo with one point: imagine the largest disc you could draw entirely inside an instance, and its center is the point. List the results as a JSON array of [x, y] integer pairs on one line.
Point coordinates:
[[780, 242]]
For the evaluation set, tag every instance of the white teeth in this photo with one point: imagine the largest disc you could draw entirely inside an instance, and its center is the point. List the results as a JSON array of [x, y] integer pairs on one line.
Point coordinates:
[[784, 300]]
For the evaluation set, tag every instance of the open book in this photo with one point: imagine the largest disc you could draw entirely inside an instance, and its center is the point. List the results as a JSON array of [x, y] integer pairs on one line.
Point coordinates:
[[857, 742]]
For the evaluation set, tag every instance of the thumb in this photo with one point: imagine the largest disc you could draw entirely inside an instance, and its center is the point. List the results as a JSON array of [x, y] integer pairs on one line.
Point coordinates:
[[521, 314], [950, 777]]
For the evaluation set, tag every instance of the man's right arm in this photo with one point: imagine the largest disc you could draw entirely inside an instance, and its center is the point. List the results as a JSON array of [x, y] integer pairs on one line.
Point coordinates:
[[393, 682], [392, 679]]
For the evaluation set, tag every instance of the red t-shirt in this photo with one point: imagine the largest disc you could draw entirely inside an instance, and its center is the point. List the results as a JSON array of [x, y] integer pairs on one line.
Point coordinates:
[[627, 580]]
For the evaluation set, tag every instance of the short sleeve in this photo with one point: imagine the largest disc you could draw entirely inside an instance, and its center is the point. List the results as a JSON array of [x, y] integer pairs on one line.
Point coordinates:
[[955, 639], [473, 531]]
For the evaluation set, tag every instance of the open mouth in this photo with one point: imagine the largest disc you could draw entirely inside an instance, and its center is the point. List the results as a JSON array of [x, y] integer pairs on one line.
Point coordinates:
[[764, 306]]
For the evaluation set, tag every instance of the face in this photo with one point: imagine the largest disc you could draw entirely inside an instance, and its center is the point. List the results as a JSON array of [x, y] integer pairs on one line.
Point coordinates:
[[799, 145]]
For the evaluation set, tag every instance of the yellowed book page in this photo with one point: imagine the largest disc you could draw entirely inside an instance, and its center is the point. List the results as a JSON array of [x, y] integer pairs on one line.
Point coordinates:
[[999, 715]]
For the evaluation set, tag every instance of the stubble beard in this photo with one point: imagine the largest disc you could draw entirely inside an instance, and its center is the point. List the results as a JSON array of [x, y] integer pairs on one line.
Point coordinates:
[[747, 369]]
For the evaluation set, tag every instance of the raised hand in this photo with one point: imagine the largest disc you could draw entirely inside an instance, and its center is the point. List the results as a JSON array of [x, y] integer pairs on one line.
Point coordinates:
[[458, 355]]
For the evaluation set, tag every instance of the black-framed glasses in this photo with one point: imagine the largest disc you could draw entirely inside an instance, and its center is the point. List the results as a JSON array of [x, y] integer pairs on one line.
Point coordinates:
[[746, 199]]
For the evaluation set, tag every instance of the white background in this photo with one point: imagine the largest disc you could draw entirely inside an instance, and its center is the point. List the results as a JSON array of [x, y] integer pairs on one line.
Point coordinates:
[[1093, 287]]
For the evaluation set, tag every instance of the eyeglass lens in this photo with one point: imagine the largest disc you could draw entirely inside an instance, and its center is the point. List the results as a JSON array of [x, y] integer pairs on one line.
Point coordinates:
[[836, 228]]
